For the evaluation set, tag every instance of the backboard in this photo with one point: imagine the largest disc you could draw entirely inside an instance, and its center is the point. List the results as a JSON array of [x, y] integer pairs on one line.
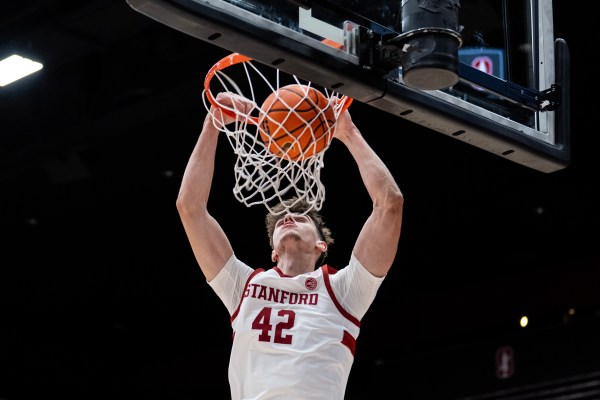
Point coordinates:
[[492, 76]]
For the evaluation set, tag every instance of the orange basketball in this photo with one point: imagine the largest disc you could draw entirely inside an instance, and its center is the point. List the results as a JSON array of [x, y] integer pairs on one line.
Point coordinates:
[[296, 122]]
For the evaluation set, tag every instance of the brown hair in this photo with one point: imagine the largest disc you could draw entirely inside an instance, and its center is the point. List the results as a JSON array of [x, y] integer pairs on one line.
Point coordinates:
[[297, 206]]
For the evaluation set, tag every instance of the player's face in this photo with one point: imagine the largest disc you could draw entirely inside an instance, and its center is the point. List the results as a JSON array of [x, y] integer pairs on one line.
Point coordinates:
[[296, 226]]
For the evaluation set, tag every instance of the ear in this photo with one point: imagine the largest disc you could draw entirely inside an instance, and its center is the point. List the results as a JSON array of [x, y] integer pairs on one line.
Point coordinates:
[[274, 256], [322, 245]]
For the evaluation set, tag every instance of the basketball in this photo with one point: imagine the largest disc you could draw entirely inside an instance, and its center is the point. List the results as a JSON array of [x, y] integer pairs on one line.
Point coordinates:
[[296, 122]]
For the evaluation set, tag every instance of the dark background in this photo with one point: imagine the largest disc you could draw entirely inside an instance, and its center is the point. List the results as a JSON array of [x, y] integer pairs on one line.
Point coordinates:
[[101, 297]]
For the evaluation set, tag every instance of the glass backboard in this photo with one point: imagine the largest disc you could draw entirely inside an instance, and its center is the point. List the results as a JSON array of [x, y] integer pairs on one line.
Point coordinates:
[[501, 82]]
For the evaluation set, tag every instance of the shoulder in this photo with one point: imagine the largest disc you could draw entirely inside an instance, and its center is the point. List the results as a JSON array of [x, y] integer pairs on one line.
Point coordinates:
[[353, 271], [233, 268]]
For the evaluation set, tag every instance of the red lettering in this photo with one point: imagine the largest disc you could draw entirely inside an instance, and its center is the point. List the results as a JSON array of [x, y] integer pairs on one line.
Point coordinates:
[[267, 293], [273, 295], [262, 294]]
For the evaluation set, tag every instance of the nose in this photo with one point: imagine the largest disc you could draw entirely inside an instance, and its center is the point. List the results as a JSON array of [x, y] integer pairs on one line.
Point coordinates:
[[288, 218]]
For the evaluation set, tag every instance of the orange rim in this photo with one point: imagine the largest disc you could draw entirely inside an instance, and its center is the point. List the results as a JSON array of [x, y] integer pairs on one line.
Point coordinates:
[[237, 58]]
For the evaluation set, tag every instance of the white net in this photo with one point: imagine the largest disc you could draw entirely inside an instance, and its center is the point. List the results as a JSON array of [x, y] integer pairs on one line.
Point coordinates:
[[267, 172]]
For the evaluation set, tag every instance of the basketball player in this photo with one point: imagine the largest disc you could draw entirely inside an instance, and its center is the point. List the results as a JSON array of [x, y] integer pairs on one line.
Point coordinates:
[[295, 324]]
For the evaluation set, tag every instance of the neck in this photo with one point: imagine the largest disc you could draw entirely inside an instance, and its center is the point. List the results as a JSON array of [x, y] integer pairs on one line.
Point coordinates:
[[298, 265]]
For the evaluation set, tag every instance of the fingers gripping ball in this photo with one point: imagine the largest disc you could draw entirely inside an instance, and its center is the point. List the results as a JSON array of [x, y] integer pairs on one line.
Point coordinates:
[[296, 122]]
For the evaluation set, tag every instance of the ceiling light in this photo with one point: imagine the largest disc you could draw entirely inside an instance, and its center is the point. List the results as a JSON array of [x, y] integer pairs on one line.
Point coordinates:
[[16, 67]]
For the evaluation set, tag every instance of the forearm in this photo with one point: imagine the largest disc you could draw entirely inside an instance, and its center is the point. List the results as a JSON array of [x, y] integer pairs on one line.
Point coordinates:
[[377, 178], [197, 177]]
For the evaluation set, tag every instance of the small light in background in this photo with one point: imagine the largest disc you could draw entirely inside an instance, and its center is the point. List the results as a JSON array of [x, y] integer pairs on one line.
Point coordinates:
[[567, 317], [524, 321], [16, 67]]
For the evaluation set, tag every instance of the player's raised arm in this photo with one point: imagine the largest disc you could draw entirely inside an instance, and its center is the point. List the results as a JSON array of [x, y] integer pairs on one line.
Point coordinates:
[[209, 243], [377, 242]]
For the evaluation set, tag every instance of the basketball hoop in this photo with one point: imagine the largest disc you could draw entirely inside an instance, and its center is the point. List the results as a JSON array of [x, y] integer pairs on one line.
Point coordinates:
[[263, 175]]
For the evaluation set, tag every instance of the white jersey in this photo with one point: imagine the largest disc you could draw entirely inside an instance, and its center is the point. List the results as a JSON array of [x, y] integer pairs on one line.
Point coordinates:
[[293, 337]]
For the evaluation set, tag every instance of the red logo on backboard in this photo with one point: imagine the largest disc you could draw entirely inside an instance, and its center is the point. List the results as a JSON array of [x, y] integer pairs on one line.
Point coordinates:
[[505, 362], [483, 63]]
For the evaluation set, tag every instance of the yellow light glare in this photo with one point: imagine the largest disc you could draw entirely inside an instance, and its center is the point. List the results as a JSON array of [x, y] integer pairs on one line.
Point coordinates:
[[16, 67], [524, 321]]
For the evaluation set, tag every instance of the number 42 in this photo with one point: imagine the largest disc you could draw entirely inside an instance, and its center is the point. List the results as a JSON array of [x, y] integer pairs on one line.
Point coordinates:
[[262, 322]]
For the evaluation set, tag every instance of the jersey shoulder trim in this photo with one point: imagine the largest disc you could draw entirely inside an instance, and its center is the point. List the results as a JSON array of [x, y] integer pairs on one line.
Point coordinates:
[[326, 272], [252, 275]]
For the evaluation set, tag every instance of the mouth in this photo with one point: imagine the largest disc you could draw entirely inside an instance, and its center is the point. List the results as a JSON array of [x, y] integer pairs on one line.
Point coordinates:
[[289, 229]]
